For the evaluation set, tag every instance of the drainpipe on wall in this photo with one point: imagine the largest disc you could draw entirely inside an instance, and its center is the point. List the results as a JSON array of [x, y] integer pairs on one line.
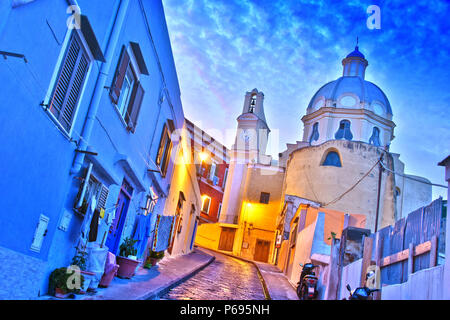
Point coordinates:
[[101, 81]]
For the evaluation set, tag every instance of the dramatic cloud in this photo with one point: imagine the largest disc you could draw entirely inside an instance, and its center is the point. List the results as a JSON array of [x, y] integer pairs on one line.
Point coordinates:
[[289, 49]]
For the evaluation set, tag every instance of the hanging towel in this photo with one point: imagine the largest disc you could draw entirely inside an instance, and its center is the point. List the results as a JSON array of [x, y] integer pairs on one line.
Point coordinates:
[[162, 233], [94, 226]]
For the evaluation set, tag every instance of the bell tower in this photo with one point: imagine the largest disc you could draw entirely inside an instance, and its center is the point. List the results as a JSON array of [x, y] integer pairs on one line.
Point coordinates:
[[252, 131], [249, 148]]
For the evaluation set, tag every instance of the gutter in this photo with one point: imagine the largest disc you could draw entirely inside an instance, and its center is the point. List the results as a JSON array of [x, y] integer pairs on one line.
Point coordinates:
[[114, 33]]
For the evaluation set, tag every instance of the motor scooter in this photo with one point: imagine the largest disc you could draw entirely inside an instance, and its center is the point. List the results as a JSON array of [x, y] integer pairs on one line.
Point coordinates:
[[307, 285], [362, 293]]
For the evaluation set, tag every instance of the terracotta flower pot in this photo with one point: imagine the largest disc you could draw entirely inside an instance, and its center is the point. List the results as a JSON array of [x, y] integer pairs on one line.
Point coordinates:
[[107, 277], [59, 293], [127, 267]]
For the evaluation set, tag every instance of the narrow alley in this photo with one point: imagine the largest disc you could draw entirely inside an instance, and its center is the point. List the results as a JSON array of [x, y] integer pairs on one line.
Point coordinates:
[[227, 278]]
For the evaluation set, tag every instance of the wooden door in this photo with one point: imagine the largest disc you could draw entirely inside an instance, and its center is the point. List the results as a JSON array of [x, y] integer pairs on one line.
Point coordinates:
[[227, 239], [262, 249]]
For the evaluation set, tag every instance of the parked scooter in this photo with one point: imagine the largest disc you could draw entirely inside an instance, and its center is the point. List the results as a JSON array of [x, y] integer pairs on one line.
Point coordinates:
[[362, 293], [307, 286]]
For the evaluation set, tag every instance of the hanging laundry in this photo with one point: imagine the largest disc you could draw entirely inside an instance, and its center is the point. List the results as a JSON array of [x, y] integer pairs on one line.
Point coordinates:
[[94, 226], [162, 233]]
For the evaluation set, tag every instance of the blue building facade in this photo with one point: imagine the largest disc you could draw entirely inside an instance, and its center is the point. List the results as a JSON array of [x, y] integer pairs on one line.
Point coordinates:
[[90, 98]]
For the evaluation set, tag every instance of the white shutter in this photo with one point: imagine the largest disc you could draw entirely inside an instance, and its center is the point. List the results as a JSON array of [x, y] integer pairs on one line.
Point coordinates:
[[102, 197], [40, 233]]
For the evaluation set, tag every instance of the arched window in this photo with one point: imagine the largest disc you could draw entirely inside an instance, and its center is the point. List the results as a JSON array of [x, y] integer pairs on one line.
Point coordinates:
[[315, 133], [344, 131], [252, 106], [375, 138], [332, 159]]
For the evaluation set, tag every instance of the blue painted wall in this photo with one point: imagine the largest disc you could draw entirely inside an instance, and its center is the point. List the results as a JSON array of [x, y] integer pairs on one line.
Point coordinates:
[[37, 157]]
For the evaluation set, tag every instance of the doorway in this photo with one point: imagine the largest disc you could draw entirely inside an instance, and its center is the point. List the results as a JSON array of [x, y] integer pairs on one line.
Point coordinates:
[[262, 250], [115, 230], [227, 239]]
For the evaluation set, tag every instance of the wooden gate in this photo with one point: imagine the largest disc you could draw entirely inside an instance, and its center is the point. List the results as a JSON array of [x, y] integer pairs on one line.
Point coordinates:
[[227, 239], [262, 249]]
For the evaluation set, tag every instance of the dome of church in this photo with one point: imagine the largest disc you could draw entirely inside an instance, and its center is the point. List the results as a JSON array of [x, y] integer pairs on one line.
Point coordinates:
[[351, 90]]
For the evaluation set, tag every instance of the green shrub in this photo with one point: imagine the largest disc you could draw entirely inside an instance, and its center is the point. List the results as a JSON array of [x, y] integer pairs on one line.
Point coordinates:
[[59, 278], [127, 248], [80, 260], [156, 255]]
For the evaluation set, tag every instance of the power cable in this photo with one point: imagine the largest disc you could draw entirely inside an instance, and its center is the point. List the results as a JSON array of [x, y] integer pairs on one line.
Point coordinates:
[[352, 187]]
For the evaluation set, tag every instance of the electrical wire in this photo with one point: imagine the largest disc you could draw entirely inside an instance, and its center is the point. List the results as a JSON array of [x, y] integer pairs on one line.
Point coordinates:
[[352, 187], [412, 178]]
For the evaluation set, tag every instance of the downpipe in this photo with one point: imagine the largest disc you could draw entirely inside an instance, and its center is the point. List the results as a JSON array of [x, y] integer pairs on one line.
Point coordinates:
[[100, 84]]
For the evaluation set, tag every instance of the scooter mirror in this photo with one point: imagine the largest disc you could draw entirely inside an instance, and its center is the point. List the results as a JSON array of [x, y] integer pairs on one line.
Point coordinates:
[[349, 288], [301, 265]]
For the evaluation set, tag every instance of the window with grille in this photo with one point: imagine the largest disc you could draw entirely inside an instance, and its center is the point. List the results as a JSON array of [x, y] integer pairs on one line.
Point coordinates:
[[69, 84], [264, 198]]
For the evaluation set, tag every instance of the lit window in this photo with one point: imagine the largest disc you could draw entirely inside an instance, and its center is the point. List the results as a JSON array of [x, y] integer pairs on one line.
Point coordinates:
[[332, 159], [344, 131], [375, 138], [206, 204]]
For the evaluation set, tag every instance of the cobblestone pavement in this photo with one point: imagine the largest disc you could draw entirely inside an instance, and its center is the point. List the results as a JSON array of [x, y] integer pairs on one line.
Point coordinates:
[[226, 278]]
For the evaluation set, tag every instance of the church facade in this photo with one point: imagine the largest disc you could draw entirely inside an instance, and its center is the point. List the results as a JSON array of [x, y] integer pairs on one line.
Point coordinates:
[[342, 163]]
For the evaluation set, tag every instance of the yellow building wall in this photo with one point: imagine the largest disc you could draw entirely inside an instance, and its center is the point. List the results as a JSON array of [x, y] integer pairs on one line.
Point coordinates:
[[183, 179], [208, 235]]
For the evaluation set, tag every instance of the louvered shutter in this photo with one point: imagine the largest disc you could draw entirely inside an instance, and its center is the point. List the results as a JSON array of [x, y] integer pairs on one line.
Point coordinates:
[[134, 106], [102, 197], [119, 76], [70, 82], [166, 159], [162, 143], [40, 233]]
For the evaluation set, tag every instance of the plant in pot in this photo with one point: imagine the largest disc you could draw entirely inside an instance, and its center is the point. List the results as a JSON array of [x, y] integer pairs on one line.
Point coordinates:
[[80, 260], [62, 283], [153, 258], [127, 259]]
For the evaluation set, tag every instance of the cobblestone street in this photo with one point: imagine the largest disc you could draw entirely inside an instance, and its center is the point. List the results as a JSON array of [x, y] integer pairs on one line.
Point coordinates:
[[226, 278]]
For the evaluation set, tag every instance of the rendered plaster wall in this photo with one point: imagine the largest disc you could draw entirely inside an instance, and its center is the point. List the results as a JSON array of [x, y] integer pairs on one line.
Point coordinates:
[[307, 178]]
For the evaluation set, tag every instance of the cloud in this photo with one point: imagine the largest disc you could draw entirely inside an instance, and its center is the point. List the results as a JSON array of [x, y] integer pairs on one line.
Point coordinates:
[[289, 49]]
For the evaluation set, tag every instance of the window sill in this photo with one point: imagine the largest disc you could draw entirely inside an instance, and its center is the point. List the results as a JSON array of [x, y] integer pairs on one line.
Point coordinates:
[[58, 125]]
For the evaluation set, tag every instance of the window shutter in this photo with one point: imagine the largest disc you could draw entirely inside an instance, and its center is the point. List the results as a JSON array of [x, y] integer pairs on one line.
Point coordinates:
[[119, 76], [162, 143], [166, 158], [102, 197], [70, 82], [40, 233], [134, 106]]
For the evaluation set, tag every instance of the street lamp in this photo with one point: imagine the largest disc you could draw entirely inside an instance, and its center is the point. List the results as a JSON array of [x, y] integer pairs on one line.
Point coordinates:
[[203, 156]]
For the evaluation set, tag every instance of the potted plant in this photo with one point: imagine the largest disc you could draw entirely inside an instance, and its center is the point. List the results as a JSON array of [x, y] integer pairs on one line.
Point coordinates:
[[127, 259], [80, 260], [153, 258], [61, 283]]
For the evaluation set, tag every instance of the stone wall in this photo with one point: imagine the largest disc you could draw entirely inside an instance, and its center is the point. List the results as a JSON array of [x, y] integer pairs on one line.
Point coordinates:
[[21, 276]]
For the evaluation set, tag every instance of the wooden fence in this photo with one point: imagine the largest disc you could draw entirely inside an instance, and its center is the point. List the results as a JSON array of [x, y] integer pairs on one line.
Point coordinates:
[[410, 245]]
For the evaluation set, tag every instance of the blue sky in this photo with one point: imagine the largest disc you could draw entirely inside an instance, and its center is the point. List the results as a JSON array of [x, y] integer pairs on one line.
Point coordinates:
[[289, 48]]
